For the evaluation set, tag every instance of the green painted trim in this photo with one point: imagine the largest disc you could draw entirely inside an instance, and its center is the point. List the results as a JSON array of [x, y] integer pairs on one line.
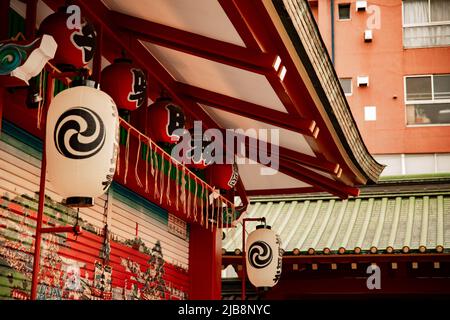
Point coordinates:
[[30, 145], [406, 194], [20, 139], [174, 174], [415, 177], [138, 203]]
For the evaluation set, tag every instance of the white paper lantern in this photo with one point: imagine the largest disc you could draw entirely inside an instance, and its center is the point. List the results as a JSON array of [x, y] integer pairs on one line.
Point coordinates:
[[263, 257], [82, 142]]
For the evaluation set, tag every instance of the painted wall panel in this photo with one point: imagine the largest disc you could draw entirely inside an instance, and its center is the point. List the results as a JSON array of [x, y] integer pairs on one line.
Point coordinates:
[[73, 267]]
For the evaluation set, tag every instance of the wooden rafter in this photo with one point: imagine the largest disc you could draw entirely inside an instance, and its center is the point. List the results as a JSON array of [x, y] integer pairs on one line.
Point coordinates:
[[248, 109], [273, 192], [97, 11], [157, 73], [195, 44], [285, 154], [250, 19]]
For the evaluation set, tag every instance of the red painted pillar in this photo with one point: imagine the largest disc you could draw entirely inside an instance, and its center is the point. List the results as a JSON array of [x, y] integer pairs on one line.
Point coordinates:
[[30, 21], [205, 263]]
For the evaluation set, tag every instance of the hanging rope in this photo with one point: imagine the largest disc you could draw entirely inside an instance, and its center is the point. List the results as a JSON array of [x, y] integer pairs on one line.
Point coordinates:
[[188, 197], [156, 158], [219, 212], [138, 155], [161, 181], [177, 189], [207, 208], [146, 166], [169, 202], [183, 189], [156, 172], [127, 154], [41, 102], [106, 247], [201, 205], [118, 161], [195, 203], [226, 213]]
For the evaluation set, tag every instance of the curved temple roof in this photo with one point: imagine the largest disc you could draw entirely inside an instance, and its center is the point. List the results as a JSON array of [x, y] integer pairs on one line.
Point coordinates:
[[387, 222], [302, 28], [245, 65]]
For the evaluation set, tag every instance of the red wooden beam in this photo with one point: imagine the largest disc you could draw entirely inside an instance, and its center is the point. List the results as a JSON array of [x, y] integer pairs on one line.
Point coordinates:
[[255, 26], [195, 44], [97, 63], [248, 109], [97, 11], [274, 192], [285, 154], [73, 229], [317, 180], [30, 21], [349, 258], [240, 24]]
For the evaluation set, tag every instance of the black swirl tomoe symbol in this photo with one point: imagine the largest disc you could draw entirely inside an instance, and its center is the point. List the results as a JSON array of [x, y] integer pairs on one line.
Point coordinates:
[[260, 254], [79, 133]]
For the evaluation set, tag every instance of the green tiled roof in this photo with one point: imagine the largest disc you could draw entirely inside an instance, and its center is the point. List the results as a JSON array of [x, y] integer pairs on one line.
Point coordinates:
[[402, 222]]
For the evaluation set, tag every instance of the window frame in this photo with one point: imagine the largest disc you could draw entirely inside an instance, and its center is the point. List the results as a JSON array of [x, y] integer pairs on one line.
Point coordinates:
[[349, 11], [418, 102], [351, 86], [422, 24]]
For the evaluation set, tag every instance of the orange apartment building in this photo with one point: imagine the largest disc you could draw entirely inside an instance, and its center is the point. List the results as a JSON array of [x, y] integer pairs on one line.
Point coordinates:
[[393, 60]]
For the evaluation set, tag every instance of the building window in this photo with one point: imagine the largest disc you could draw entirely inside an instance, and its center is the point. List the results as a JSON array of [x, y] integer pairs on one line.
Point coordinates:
[[344, 11], [370, 113], [412, 164], [346, 84], [426, 23], [427, 99]]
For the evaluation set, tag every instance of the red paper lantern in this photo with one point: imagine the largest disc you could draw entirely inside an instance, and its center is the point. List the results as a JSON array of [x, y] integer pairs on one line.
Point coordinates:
[[125, 83], [163, 118], [223, 176], [76, 47]]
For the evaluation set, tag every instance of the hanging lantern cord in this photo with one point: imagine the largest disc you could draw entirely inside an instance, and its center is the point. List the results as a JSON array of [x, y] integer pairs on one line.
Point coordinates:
[[75, 227]]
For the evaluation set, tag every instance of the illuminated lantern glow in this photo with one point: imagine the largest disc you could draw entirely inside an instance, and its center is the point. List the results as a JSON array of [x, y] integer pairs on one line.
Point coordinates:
[[163, 118], [223, 176], [82, 140], [126, 84], [263, 257], [76, 47]]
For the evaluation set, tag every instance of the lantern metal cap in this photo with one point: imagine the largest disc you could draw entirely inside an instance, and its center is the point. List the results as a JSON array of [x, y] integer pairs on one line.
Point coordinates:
[[263, 226], [123, 60], [86, 83], [79, 202]]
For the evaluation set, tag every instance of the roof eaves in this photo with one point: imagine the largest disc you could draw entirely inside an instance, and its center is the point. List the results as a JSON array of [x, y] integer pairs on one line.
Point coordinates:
[[299, 23]]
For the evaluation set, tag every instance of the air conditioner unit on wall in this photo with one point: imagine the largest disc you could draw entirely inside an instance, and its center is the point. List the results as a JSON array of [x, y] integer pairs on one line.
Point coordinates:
[[361, 5], [363, 81], [368, 35]]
